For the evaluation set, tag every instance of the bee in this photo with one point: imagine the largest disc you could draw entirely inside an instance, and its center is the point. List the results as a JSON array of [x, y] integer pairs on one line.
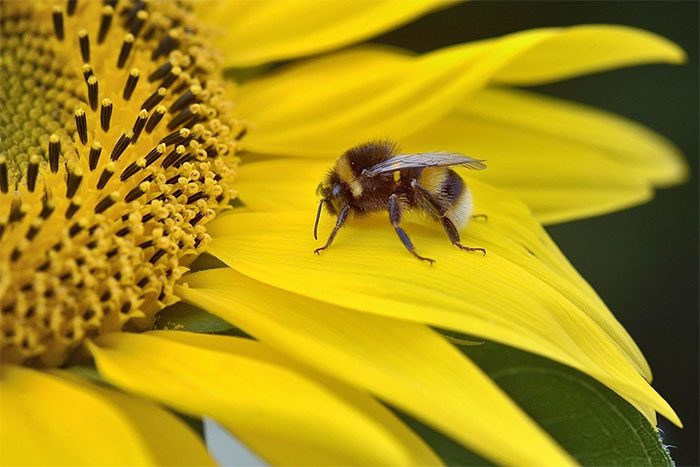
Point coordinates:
[[373, 177]]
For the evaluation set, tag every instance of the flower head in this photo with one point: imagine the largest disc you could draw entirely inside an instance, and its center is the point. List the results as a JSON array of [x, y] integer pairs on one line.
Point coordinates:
[[117, 149]]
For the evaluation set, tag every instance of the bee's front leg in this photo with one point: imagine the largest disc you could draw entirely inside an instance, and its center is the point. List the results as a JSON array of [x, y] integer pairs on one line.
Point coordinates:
[[342, 216], [395, 217]]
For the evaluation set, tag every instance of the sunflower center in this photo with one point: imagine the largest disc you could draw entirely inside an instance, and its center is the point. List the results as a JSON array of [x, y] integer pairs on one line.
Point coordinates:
[[116, 148]]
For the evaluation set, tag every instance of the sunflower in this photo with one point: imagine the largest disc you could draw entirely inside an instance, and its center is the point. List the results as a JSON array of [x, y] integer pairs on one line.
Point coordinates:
[[118, 165]]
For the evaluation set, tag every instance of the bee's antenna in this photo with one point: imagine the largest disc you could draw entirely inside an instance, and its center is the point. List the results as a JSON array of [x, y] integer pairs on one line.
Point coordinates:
[[318, 216]]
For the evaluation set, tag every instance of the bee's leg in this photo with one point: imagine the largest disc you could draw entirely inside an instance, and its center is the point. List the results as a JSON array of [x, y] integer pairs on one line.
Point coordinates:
[[447, 224], [453, 235], [480, 217], [395, 217], [342, 216]]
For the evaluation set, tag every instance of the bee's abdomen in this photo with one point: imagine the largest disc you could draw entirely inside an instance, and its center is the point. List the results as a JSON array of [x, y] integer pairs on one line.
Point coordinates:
[[452, 186], [457, 195]]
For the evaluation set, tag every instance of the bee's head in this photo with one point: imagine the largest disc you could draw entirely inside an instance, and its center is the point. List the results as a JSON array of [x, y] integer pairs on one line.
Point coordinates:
[[333, 193]]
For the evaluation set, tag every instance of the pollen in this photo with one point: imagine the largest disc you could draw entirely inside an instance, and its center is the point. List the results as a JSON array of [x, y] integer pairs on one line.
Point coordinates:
[[117, 146]]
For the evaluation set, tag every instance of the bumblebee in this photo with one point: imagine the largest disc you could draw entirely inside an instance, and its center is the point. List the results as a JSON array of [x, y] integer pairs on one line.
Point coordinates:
[[373, 177]]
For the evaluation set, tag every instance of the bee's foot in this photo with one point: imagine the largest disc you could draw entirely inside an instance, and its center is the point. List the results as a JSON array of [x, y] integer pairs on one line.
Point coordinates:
[[469, 248], [318, 251], [423, 258], [480, 217]]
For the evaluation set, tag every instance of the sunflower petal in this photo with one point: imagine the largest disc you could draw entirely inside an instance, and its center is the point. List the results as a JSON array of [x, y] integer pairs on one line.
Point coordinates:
[[50, 419], [564, 160], [523, 293], [322, 107], [285, 416], [404, 363], [253, 33], [589, 49]]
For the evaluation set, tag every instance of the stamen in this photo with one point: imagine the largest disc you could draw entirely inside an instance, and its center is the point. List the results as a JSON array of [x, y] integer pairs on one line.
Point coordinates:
[[105, 114], [33, 171], [73, 207], [189, 97], [84, 45], [176, 137], [106, 202], [127, 45], [107, 173], [57, 16], [155, 118], [171, 77], [166, 45], [4, 179], [160, 72], [137, 192], [174, 155], [105, 22], [139, 124], [121, 145], [185, 118], [131, 84], [73, 182], [93, 91], [138, 23], [76, 228], [47, 209], [70, 7], [81, 125], [54, 152], [94, 156], [154, 99], [87, 72], [155, 154], [133, 168]]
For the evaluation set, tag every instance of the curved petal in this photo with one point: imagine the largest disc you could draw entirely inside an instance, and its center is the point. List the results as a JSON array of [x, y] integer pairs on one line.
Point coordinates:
[[284, 415], [323, 106], [50, 419], [253, 33], [564, 160], [404, 363], [589, 49], [523, 293]]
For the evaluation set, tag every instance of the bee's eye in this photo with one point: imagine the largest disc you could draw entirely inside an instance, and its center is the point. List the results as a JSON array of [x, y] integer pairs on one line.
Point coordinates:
[[336, 191]]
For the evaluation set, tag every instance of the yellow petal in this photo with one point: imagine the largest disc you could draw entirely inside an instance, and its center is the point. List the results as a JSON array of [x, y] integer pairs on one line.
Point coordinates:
[[404, 363], [523, 299], [49, 419], [323, 106], [253, 33], [589, 49], [564, 160], [285, 416]]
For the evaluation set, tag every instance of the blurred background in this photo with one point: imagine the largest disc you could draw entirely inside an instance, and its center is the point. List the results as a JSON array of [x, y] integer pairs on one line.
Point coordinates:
[[642, 261]]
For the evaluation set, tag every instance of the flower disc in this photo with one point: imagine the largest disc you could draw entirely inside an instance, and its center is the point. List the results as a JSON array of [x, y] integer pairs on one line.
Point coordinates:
[[116, 148]]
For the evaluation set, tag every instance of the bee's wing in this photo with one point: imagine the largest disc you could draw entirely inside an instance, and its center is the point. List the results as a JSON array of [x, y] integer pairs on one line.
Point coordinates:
[[421, 160]]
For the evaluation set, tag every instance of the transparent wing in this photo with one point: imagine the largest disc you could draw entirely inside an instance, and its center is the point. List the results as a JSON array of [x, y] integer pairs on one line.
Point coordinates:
[[423, 159]]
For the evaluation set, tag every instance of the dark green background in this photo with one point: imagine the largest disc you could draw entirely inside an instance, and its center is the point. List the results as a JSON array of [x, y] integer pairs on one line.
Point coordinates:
[[643, 261]]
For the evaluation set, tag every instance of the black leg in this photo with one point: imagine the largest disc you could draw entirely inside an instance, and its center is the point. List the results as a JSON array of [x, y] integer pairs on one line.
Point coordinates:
[[447, 224], [453, 235], [338, 224], [395, 217]]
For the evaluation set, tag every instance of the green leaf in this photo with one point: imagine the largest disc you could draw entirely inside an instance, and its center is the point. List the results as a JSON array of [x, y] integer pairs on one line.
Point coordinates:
[[590, 421], [185, 317]]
